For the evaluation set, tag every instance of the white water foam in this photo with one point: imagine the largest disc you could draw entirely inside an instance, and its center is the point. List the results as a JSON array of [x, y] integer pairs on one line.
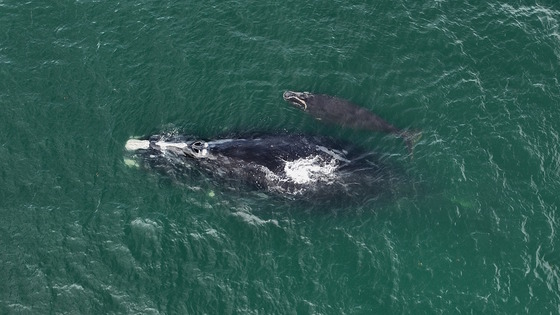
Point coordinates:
[[311, 170]]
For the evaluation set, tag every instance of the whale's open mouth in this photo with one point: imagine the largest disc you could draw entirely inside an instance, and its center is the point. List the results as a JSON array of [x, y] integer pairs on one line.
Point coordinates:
[[296, 98]]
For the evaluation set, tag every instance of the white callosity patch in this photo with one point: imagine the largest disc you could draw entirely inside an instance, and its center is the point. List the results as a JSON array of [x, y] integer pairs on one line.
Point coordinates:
[[135, 144], [164, 146]]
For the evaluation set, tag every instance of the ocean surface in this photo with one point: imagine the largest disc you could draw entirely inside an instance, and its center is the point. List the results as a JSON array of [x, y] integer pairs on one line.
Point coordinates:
[[473, 231]]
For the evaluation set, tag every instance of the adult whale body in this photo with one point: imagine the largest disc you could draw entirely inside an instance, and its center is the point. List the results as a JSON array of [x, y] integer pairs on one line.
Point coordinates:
[[287, 165], [345, 113]]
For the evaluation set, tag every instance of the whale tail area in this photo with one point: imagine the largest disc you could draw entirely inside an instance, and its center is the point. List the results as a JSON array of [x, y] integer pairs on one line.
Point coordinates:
[[411, 137]]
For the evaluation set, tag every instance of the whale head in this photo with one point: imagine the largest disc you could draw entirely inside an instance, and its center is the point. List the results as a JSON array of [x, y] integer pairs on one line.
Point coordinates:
[[299, 99], [177, 148]]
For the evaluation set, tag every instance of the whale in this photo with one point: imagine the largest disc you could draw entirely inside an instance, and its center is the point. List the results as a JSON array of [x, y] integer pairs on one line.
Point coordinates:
[[342, 112], [284, 165]]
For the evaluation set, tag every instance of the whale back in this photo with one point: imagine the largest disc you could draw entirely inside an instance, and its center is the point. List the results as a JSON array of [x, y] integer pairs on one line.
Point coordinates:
[[286, 165]]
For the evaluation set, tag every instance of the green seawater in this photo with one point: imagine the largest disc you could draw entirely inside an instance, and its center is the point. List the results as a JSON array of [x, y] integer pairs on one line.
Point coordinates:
[[83, 233]]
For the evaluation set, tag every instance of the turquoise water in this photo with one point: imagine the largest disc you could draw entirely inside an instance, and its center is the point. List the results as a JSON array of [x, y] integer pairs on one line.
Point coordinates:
[[83, 233]]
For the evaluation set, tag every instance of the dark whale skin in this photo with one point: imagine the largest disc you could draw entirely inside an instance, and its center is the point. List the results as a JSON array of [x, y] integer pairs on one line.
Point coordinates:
[[285, 165], [346, 114]]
